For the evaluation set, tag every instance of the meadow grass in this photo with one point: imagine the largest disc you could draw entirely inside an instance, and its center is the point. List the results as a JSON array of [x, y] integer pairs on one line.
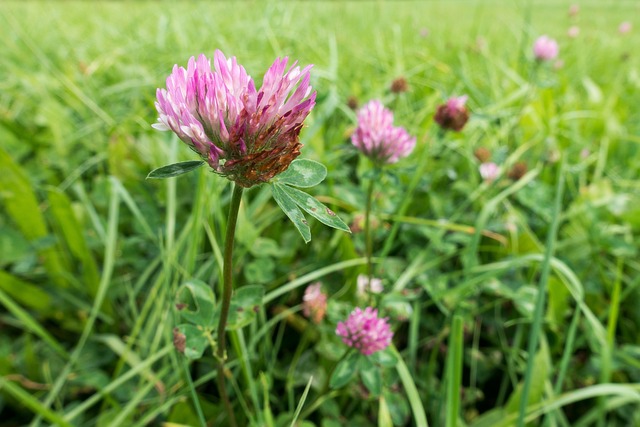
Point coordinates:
[[512, 301]]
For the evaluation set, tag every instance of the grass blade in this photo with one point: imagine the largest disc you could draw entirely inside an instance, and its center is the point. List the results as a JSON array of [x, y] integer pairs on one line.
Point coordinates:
[[301, 402], [419, 414], [542, 292], [454, 372], [32, 403]]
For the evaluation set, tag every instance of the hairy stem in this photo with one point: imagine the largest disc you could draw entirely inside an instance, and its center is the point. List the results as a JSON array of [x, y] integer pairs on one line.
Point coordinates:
[[367, 229], [227, 276]]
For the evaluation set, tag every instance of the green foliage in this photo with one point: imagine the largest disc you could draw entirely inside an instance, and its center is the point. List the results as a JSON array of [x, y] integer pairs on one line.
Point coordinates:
[[304, 173], [94, 258], [196, 303], [175, 169], [245, 303], [291, 210]]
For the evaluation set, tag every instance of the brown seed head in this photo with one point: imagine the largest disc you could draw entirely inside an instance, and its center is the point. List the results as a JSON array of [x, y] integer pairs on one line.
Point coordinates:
[[451, 119], [179, 340], [271, 155], [399, 85], [518, 170], [352, 102], [482, 154]]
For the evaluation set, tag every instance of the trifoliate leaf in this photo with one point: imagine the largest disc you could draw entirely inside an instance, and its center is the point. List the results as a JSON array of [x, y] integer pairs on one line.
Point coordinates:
[[290, 209], [303, 173], [314, 208]]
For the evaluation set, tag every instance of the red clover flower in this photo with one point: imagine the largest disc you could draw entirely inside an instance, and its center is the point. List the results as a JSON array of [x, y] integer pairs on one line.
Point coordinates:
[[244, 134], [624, 27], [573, 31], [366, 284], [376, 136], [574, 9], [489, 171], [364, 331], [453, 115], [314, 303], [545, 48]]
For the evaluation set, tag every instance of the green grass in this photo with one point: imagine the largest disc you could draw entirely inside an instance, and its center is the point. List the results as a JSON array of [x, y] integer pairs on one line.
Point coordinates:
[[512, 301]]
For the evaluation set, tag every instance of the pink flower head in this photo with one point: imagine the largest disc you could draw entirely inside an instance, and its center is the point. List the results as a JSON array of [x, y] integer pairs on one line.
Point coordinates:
[[585, 153], [574, 9], [573, 31], [624, 27], [373, 285], [545, 48], [453, 115], [314, 303], [364, 331], [489, 171], [247, 135], [376, 136]]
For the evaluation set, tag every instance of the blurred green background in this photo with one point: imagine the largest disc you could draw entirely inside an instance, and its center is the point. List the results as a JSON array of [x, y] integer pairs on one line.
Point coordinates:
[[91, 254]]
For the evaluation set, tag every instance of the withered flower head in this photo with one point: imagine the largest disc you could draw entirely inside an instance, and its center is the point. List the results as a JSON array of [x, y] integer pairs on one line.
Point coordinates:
[[399, 85], [453, 115], [482, 154], [352, 102], [179, 340], [518, 170], [314, 303]]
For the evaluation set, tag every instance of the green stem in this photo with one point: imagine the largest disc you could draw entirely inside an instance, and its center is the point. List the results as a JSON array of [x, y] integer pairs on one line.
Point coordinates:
[[367, 228], [194, 394], [454, 371], [408, 197], [227, 276], [526, 28], [536, 328], [607, 351], [419, 414], [569, 347]]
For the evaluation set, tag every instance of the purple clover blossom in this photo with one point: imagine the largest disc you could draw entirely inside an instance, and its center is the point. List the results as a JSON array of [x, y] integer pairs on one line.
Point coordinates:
[[573, 31], [377, 138], [365, 284], [624, 27], [574, 9], [453, 115], [245, 134], [364, 331], [489, 171], [545, 48], [456, 103], [314, 303]]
